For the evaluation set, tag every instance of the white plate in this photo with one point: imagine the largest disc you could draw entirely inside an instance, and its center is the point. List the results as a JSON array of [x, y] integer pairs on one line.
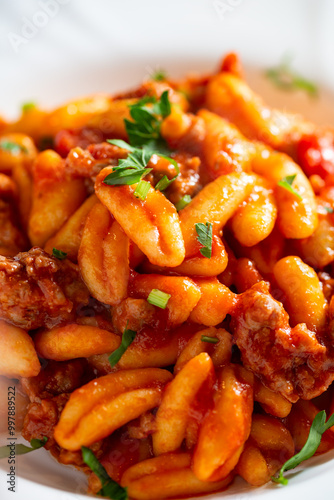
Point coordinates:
[[53, 50]]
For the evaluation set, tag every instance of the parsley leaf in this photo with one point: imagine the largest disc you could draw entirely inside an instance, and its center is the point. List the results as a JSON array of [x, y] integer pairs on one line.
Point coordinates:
[[204, 232], [145, 140], [133, 168], [159, 75], [12, 147], [163, 106], [110, 488], [287, 182], [284, 77], [28, 106], [22, 449], [59, 254], [318, 427], [127, 339], [164, 183], [144, 130], [125, 176]]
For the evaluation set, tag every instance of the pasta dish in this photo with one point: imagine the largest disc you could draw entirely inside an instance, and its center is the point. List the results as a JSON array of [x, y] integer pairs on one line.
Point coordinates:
[[166, 286]]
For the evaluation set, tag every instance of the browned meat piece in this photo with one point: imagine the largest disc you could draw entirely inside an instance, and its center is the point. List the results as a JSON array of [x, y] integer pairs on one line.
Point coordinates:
[[290, 361], [42, 417], [39, 290], [55, 379]]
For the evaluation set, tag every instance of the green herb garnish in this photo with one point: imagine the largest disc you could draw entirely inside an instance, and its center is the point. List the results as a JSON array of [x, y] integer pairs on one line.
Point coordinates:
[[127, 339], [204, 232], [329, 210], [133, 168], [28, 106], [185, 200], [287, 182], [159, 75], [318, 427], [142, 189], [211, 340], [110, 488], [144, 130], [22, 449], [145, 140], [59, 254], [164, 183], [158, 298], [284, 77], [12, 147]]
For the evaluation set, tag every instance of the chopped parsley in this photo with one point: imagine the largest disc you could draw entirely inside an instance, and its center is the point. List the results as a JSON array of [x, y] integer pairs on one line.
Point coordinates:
[[318, 427], [59, 254], [12, 147], [164, 183], [287, 182], [144, 129], [132, 169], [144, 141], [22, 449], [127, 339], [110, 488], [204, 236], [284, 77], [159, 75], [28, 106]]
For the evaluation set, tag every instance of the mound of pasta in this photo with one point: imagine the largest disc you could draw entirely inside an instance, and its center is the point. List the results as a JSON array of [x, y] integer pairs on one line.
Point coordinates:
[[166, 285]]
